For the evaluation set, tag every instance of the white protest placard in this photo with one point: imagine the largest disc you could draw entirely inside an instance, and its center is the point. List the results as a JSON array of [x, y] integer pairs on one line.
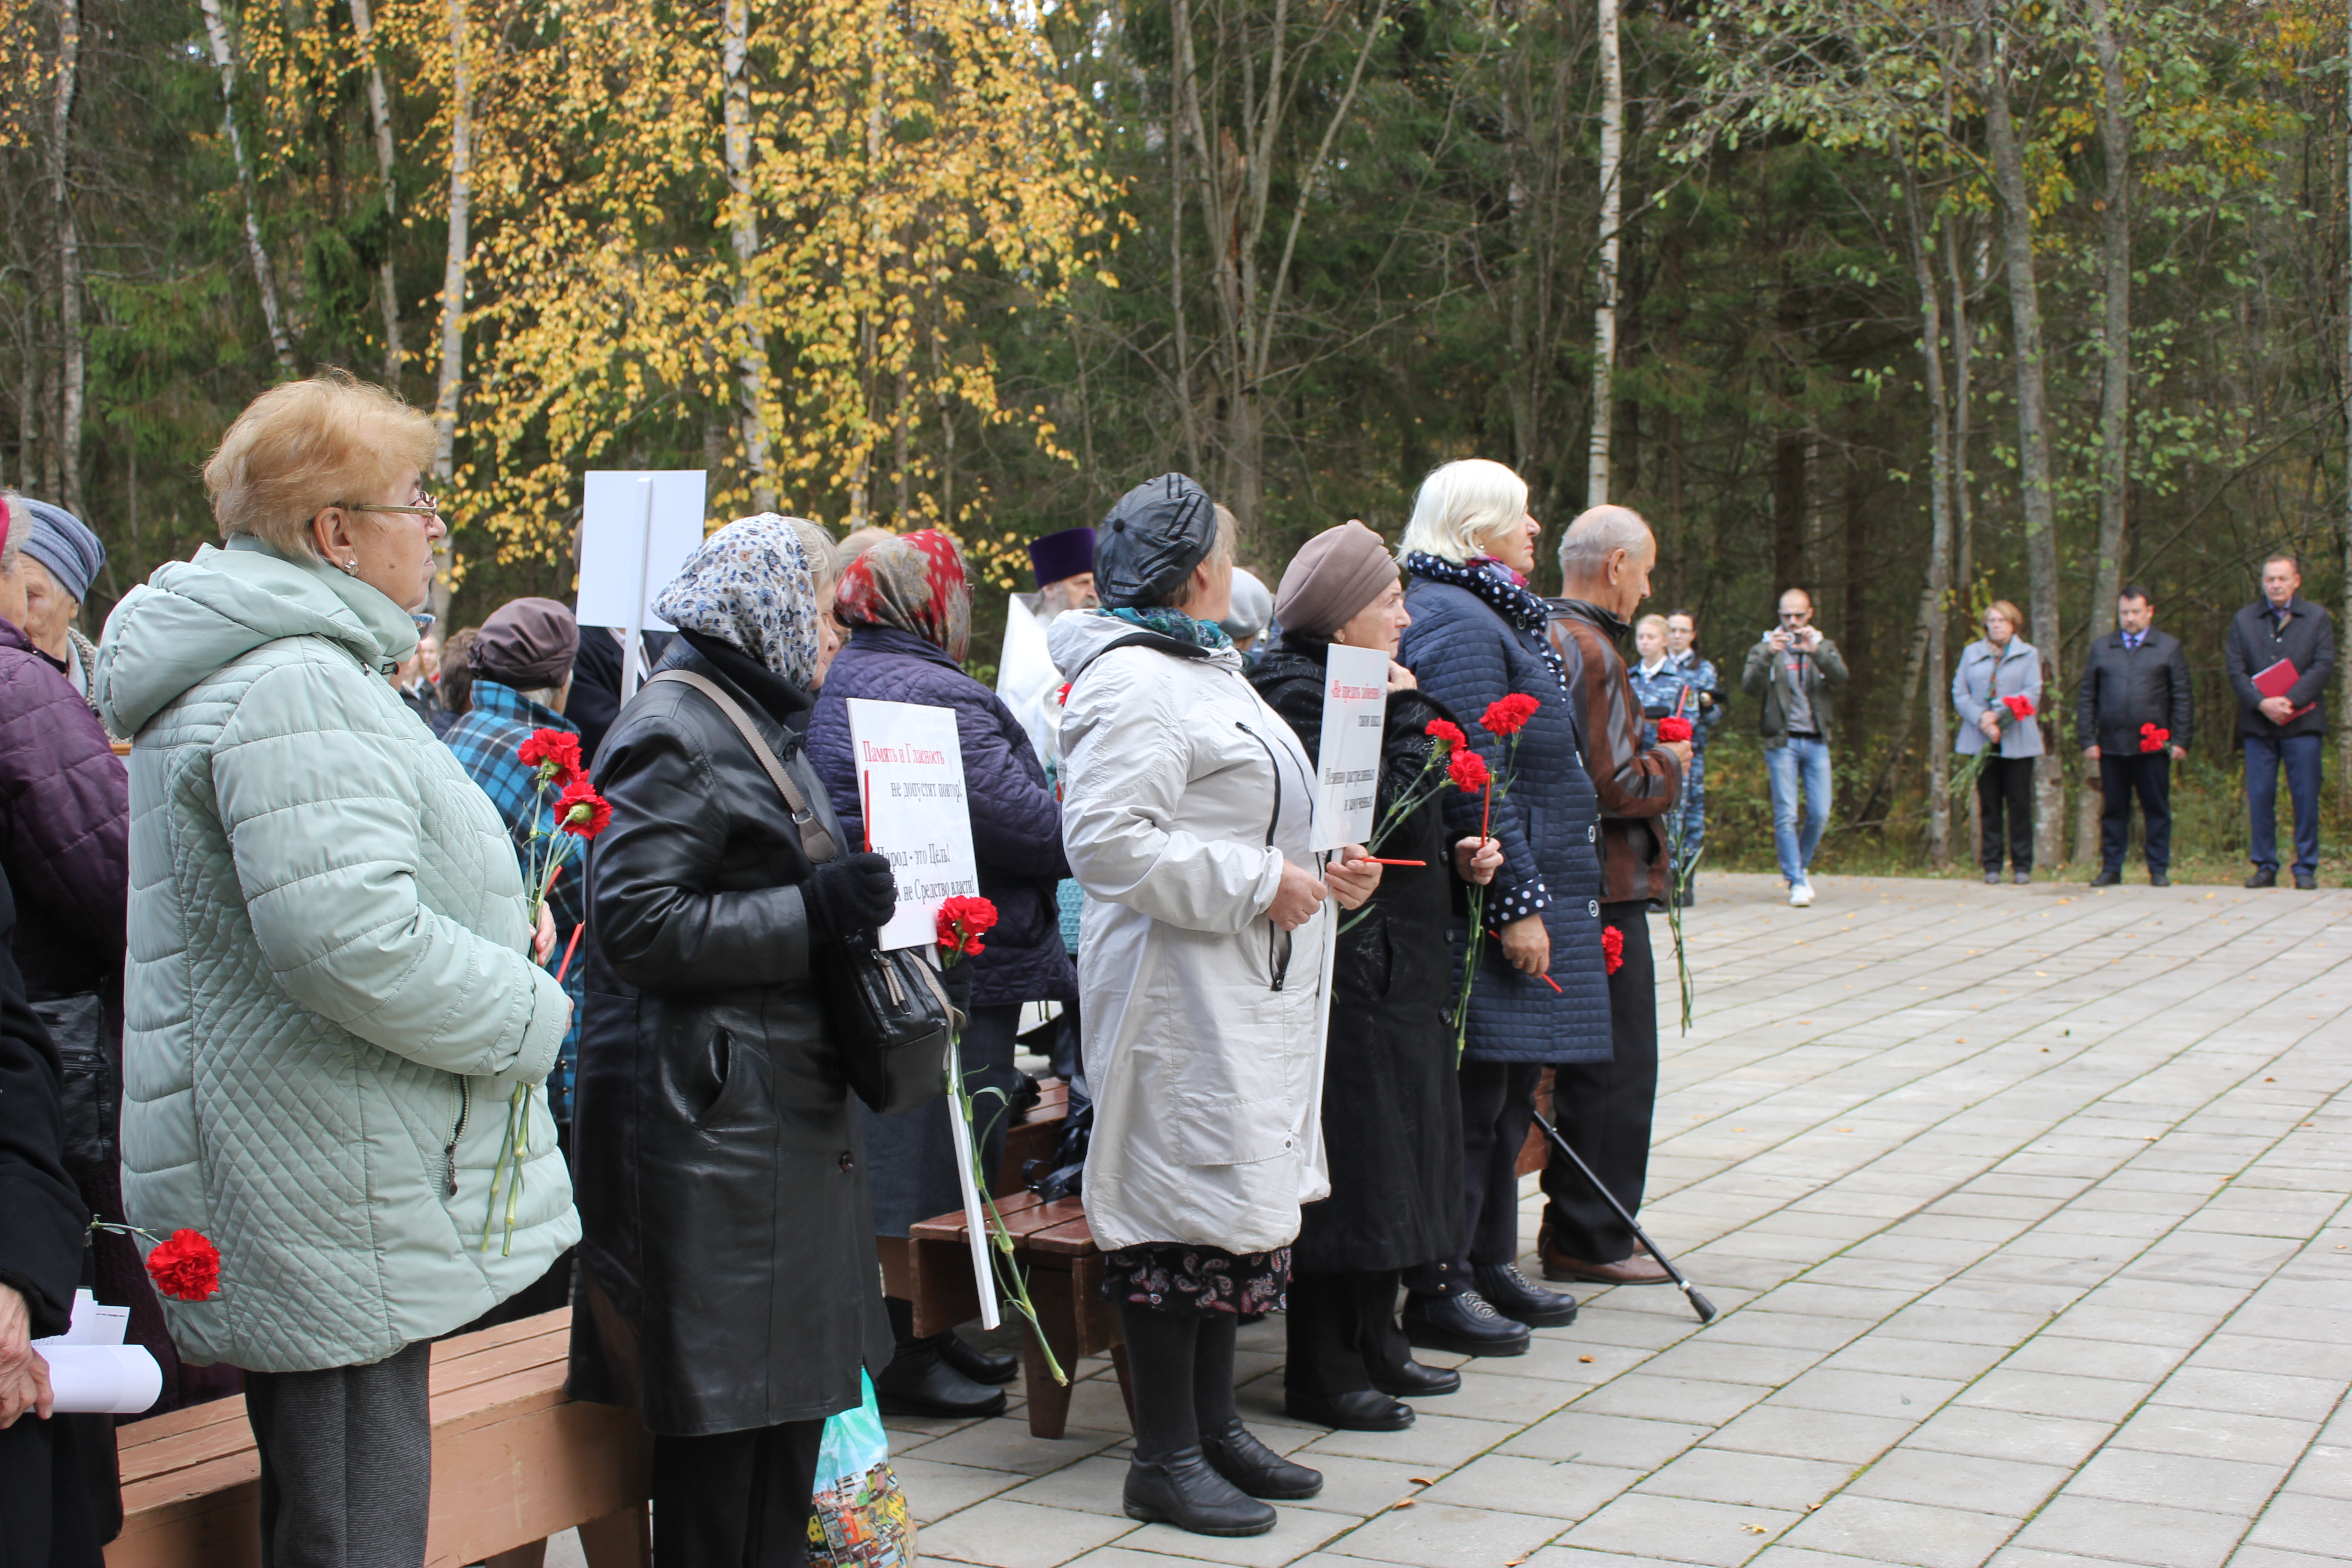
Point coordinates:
[[1027, 680], [1347, 770], [636, 529], [911, 782]]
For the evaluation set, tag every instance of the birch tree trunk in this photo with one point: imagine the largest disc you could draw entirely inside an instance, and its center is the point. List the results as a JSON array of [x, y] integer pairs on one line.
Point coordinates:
[[1605, 309], [2016, 209], [451, 380], [744, 226], [1935, 618], [379, 112], [225, 62], [71, 393], [2115, 387]]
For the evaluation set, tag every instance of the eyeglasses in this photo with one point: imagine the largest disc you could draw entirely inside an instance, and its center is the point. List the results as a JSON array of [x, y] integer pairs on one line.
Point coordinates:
[[426, 507]]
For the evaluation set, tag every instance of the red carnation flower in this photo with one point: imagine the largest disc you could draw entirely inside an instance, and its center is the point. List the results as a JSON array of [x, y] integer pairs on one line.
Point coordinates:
[[556, 749], [1612, 948], [2019, 706], [186, 1267], [1448, 731], [1674, 727], [1468, 771], [1509, 715], [1062, 695], [962, 921], [2152, 738], [581, 811]]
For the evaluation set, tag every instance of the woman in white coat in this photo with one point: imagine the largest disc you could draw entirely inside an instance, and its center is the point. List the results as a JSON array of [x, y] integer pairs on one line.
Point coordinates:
[[1186, 808]]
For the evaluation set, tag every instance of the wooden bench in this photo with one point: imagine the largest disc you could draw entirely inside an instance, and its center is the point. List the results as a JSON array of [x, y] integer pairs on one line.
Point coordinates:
[[514, 1461], [1051, 1244]]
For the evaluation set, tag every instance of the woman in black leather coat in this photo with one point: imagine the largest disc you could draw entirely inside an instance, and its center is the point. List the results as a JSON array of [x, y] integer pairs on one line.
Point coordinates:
[[729, 1288]]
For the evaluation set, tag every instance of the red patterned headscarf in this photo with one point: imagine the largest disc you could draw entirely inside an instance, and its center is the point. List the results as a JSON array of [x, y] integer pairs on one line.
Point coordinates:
[[914, 582]]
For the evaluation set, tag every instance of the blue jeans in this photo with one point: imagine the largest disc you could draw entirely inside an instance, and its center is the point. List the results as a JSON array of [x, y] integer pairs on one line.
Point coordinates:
[[1792, 765], [2301, 754]]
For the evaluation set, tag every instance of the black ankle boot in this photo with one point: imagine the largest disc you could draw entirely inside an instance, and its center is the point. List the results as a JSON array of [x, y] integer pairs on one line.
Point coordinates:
[[1462, 1323], [1509, 1293], [1234, 1453], [920, 1382], [1181, 1489], [979, 1365]]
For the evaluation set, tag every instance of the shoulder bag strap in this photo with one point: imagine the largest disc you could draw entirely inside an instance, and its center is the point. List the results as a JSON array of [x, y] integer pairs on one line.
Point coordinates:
[[815, 842]]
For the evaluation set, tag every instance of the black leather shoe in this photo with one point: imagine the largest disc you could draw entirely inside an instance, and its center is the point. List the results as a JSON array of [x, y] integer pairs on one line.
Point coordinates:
[[920, 1382], [2108, 877], [1464, 1323], [2306, 882], [2158, 879], [1357, 1410], [1253, 1468], [1993, 879], [979, 1365], [2262, 879], [1181, 1489], [1509, 1293], [1411, 1380]]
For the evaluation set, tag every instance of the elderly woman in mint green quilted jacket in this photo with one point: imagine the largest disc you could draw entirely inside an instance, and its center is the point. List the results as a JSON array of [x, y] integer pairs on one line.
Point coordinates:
[[330, 996]]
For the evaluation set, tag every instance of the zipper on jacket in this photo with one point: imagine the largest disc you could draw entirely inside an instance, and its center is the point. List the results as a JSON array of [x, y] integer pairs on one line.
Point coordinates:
[[1277, 970], [449, 1154]]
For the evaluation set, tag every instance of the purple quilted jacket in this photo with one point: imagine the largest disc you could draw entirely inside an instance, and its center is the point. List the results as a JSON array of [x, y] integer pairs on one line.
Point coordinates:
[[65, 822], [1016, 824]]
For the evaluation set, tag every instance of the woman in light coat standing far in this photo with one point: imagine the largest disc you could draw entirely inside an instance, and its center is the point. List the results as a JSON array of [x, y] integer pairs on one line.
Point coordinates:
[[329, 1000], [1998, 665], [1186, 814]]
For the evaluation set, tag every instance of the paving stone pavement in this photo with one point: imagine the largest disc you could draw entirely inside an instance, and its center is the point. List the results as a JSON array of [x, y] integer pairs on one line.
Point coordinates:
[[2027, 1211]]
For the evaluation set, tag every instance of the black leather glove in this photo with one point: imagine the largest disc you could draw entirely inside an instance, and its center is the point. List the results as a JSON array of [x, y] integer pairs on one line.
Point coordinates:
[[849, 894]]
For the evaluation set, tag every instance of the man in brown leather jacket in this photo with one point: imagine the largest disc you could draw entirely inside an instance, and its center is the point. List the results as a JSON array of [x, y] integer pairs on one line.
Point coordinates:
[[1603, 1110]]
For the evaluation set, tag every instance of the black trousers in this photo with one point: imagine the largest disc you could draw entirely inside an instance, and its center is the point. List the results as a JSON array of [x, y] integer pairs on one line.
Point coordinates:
[[1340, 1327], [2005, 788], [1498, 1105], [47, 1519], [735, 1498], [1604, 1109], [346, 1462], [2148, 774]]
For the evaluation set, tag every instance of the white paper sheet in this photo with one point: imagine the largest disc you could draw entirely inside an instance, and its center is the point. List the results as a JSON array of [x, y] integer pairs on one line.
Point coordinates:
[[1347, 763], [109, 1380], [910, 784], [636, 529], [1027, 680]]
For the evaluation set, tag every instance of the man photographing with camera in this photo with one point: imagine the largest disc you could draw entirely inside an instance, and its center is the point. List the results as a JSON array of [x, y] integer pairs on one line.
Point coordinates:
[[1793, 670]]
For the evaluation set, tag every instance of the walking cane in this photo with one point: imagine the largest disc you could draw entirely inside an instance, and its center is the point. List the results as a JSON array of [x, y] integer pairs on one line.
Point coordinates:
[[1699, 1304]]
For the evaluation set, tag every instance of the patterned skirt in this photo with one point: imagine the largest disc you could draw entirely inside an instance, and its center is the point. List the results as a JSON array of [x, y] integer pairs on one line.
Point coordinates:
[[1176, 1277]]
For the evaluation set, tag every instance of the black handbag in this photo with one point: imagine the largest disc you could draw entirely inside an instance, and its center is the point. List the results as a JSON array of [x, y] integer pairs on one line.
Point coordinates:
[[890, 1012]]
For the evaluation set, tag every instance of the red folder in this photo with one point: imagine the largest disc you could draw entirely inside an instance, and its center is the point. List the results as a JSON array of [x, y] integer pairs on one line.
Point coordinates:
[[2277, 681]]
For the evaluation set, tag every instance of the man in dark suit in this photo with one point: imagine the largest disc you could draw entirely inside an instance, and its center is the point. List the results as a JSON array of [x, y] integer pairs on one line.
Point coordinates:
[[2288, 729], [2134, 706]]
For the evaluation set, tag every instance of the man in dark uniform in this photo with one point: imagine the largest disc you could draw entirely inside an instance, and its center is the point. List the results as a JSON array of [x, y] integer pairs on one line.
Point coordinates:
[[2134, 709]]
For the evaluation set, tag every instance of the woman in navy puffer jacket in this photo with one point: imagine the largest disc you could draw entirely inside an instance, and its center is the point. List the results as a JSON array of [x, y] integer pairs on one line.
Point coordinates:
[[1541, 993], [907, 603]]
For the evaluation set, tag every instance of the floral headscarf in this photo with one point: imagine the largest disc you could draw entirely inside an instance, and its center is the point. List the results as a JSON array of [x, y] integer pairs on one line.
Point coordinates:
[[914, 582], [751, 586]]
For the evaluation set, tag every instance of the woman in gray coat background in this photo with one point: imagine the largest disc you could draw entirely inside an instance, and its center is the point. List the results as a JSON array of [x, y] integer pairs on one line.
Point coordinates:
[[1999, 665]]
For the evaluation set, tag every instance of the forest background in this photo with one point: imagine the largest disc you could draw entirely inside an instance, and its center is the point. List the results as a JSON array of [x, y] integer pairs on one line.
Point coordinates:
[[1918, 302]]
